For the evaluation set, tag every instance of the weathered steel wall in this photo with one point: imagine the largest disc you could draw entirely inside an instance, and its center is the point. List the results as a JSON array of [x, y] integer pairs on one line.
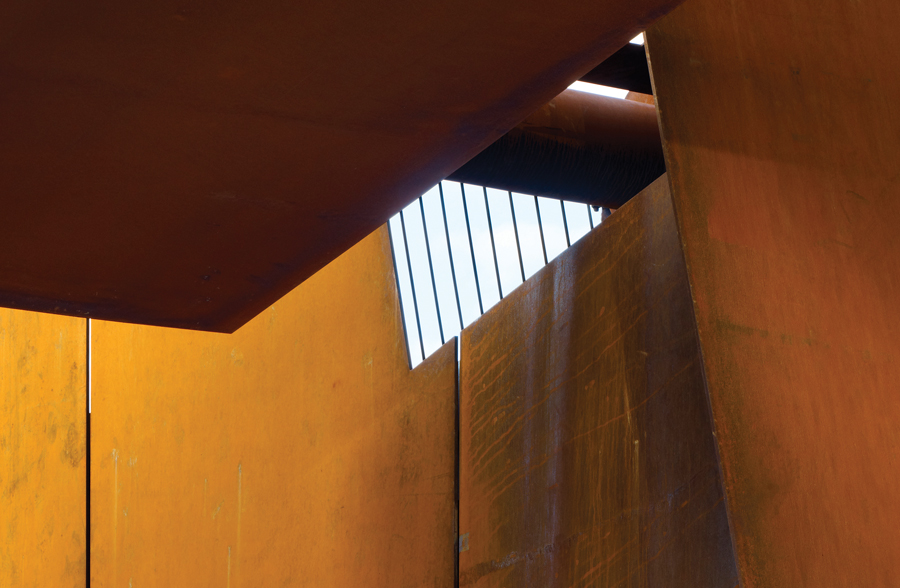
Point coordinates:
[[300, 451], [587, 454], [780, 123], [42, 450]]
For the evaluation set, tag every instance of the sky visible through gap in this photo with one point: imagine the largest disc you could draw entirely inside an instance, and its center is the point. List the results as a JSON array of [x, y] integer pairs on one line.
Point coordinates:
[[507, 270]]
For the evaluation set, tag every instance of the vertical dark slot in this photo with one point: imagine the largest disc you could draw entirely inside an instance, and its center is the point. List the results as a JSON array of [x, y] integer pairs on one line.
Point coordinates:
[[87, 452], [590, 216], [457, 457], [562, 206]]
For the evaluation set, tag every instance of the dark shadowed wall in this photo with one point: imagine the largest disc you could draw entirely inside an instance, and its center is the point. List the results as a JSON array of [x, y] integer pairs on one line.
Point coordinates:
[[782, 138]]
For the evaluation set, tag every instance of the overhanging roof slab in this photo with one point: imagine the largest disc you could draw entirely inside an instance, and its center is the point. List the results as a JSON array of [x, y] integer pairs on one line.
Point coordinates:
[[186, 164]]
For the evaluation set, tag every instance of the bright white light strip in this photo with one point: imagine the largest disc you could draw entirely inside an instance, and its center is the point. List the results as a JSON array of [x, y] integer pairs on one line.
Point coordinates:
[[639, 40], [598, 89]]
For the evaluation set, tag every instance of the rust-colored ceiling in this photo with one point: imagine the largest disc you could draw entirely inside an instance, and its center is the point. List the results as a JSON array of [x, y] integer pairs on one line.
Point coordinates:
[[187, 163]]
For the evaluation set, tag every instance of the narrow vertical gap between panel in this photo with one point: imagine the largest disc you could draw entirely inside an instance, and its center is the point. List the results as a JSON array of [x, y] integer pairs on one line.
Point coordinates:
[[87, 452], [457, 458]]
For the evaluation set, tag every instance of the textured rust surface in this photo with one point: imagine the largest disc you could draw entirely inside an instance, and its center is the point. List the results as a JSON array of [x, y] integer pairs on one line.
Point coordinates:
[[780, 124], [42, 450], [579, 147], [299, 451], [587, 454], [186, 163]]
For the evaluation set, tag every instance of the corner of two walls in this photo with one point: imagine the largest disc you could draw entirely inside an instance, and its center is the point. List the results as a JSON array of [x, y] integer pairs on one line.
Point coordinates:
[[299, 450], [302, 449]]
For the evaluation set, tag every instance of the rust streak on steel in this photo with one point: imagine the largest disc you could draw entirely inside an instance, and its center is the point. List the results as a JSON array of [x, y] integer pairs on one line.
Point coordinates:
[[586, 449]]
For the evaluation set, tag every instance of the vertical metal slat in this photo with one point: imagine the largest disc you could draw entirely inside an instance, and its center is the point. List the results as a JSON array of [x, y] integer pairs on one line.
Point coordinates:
[[487, 208], [412, 284], [450, 252], [512, 209], [471, 247], [537, 209], [437, 306]]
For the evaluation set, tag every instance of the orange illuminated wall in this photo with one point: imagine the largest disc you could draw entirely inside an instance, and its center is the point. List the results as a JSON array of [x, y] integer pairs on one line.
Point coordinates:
[[300, 450], [42, 450]]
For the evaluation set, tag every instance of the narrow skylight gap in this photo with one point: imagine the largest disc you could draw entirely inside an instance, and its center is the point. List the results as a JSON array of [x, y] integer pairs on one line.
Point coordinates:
[[580, 86], [417, 295]]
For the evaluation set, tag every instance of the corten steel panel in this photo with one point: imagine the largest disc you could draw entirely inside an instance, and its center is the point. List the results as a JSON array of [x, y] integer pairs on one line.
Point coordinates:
[[42, 450], [780, 122], [587, 453], [183, 163], [299, 451]]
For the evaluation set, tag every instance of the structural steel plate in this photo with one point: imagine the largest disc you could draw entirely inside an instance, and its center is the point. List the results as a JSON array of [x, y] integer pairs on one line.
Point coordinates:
[[188, 163], [42, 450], [780, 125], [586, 450], [299, 451]]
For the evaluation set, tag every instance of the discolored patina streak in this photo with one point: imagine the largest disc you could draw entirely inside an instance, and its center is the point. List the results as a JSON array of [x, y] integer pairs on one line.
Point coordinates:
[[586, 449]]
